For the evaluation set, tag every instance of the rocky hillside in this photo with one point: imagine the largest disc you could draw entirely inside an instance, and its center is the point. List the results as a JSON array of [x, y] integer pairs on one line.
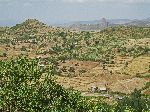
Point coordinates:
[[84, 58]]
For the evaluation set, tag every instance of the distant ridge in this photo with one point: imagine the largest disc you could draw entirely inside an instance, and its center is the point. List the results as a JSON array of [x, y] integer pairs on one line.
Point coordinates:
[[82, 25], [88, 26], [142, 23], [104, 23]]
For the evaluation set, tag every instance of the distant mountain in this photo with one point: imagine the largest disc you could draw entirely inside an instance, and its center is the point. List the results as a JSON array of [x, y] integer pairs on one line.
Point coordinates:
[[142, 23], [104, 23], [95, 24], [111, 21], [119, 21], [90, 25], [87, 25]]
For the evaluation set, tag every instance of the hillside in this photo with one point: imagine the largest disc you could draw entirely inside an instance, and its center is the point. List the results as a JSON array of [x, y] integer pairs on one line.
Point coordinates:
[[117, 56]]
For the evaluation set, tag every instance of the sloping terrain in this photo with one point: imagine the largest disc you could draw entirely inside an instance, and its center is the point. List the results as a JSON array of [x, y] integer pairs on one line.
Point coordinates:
[[116, 56]]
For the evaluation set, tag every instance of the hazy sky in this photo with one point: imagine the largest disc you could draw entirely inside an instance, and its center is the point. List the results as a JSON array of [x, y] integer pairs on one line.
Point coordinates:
[[53, 11]]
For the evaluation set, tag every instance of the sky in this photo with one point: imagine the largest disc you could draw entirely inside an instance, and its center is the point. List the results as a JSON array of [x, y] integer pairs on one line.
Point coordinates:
[[61, 11]]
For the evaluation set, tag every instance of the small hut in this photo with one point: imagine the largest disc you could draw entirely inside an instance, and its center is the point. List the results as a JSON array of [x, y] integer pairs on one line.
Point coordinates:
[[102, 88], [94, 89]]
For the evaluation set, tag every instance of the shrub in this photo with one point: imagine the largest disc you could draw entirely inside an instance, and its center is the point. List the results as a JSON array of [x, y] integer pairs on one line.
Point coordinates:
[[22, 89], [134, 103]]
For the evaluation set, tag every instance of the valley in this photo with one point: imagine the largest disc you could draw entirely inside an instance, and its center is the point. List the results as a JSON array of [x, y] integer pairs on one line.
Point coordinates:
[[109, 64]]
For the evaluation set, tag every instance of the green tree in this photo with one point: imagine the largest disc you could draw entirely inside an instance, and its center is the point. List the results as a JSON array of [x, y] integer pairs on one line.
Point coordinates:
[[134, 103], [24, 89]]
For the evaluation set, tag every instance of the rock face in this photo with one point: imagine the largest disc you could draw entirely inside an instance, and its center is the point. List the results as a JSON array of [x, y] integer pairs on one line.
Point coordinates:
[[104, 22]]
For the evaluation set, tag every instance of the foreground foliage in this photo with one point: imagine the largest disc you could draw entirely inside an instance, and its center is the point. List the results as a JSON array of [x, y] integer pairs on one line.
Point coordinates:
[[134, 103], [25, 87]]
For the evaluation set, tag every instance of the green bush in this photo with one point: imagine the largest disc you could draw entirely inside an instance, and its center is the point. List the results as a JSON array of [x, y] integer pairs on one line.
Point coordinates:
[[24, 89], [134, 103]]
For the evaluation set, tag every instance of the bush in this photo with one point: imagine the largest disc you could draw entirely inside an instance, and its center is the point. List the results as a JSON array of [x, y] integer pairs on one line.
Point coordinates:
[[23, 48], [134, 103], [23, 89]]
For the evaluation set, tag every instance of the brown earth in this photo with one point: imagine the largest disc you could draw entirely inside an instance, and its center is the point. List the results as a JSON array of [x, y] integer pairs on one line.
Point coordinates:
[[95, 76]]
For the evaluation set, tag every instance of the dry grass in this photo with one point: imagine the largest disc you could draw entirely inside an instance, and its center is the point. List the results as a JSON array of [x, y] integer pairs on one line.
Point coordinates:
[[139, 65], [95, 75]]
